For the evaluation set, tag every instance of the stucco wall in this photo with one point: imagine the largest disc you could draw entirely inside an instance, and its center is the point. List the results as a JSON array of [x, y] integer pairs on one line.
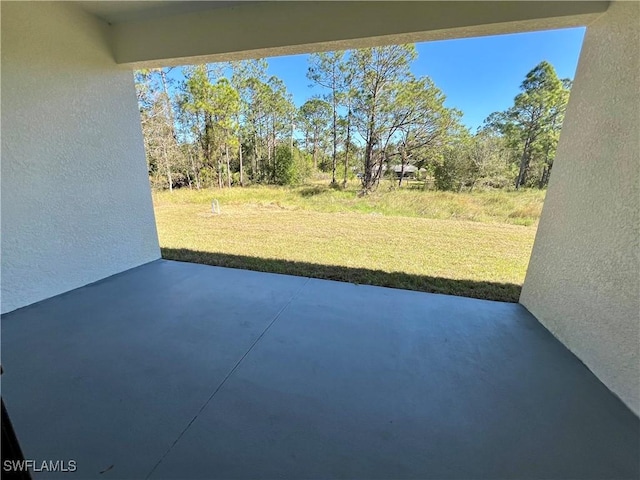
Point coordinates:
[[76, 204], [583, 281]]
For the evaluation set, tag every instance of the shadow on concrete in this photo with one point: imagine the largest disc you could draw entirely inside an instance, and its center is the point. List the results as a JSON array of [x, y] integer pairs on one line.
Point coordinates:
[[503, 292]]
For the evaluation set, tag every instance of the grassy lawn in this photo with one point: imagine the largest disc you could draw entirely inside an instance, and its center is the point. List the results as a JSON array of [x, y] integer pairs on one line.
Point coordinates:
[[475, 245]]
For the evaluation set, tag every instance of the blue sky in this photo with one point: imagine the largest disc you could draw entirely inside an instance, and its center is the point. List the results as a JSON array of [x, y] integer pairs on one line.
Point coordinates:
[[478, 75]]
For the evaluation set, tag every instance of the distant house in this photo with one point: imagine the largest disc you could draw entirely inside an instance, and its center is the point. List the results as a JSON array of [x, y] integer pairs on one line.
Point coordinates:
[[410, 171]]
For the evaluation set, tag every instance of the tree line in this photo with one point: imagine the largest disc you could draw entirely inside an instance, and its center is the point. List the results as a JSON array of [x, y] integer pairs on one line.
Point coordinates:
[[233, 124]]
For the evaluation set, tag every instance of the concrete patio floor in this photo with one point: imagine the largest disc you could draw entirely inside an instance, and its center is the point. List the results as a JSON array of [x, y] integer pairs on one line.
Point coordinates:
[[176, 370]]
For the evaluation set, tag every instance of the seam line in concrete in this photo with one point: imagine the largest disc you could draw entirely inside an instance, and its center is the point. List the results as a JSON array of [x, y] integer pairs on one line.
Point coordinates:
[[224, 380]]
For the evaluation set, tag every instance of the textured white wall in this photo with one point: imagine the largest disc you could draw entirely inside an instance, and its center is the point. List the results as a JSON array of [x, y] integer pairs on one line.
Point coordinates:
[[583, 281], [76, 203]]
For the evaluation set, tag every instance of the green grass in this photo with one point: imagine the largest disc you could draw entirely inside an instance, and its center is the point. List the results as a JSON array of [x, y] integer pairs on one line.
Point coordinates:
[[475, 245], [511, 207]]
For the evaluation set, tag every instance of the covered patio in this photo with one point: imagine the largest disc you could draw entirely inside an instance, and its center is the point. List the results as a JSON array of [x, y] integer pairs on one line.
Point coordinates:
[[137, 367], [178, 370]]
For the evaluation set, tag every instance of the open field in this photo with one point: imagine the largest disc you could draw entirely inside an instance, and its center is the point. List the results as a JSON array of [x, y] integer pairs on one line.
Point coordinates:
[[475, 245]]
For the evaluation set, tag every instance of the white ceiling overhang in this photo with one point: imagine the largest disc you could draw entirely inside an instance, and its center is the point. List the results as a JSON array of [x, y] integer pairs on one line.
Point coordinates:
[[152, 34]]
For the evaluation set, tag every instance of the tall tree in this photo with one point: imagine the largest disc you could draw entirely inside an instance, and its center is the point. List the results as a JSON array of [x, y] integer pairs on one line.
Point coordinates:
[[327, 69], [214, 107], [532, 125], [245, 75], [280, 119], [420, 121], [346, 99], [315, 115], [196, 102], [158, 126], [378, 72], [226, 107]]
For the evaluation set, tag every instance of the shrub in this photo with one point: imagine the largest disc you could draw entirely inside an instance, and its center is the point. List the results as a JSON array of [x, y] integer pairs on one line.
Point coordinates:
[[284, 168]]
